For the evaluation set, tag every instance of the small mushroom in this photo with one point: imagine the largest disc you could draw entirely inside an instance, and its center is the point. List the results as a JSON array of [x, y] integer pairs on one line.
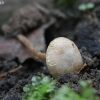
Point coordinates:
[[63, 56]]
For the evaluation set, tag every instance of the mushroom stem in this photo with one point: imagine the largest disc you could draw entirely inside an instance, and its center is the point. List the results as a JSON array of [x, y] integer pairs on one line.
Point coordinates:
[[27, 43]]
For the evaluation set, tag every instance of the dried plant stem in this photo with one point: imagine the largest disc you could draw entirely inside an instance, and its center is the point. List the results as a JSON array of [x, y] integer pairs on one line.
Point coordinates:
[[27, 43], [11, 71], [82, 68], [41, 8]]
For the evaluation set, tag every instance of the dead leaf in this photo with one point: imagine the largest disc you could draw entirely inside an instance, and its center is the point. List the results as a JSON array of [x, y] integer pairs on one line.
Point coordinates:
[[11, 48]]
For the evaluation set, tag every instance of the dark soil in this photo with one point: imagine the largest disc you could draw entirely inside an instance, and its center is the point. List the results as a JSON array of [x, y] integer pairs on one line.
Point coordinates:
[[73, 78], [87, 38], [11, 85]]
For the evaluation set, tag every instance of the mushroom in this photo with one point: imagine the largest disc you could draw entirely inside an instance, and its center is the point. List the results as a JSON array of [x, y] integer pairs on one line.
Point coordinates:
[[62, 56]]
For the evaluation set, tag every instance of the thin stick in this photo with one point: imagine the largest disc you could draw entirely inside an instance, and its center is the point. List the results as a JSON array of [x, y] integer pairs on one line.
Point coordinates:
[[48, 12], [41, 8], [82, 68], [11, 71], [27, 43]]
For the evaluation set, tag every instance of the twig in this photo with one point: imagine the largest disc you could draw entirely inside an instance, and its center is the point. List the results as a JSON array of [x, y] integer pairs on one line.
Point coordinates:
[[51, 22], [82, 68], [58, 13], [49, 12], [11, 71], [41, 8]]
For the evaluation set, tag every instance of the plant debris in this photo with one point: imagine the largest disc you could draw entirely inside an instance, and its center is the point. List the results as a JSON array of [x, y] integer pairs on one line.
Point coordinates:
[[12, 48]]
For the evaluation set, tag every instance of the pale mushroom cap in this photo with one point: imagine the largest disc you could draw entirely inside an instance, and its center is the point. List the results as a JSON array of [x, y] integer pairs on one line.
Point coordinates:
[[63, 56]]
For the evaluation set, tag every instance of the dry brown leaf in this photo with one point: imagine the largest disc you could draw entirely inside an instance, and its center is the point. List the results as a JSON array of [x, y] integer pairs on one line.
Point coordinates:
[[11, 48]]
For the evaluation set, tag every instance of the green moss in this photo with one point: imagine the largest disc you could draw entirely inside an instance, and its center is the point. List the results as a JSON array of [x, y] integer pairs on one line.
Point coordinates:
[[40, 88], [43, 88], [87, 93]]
